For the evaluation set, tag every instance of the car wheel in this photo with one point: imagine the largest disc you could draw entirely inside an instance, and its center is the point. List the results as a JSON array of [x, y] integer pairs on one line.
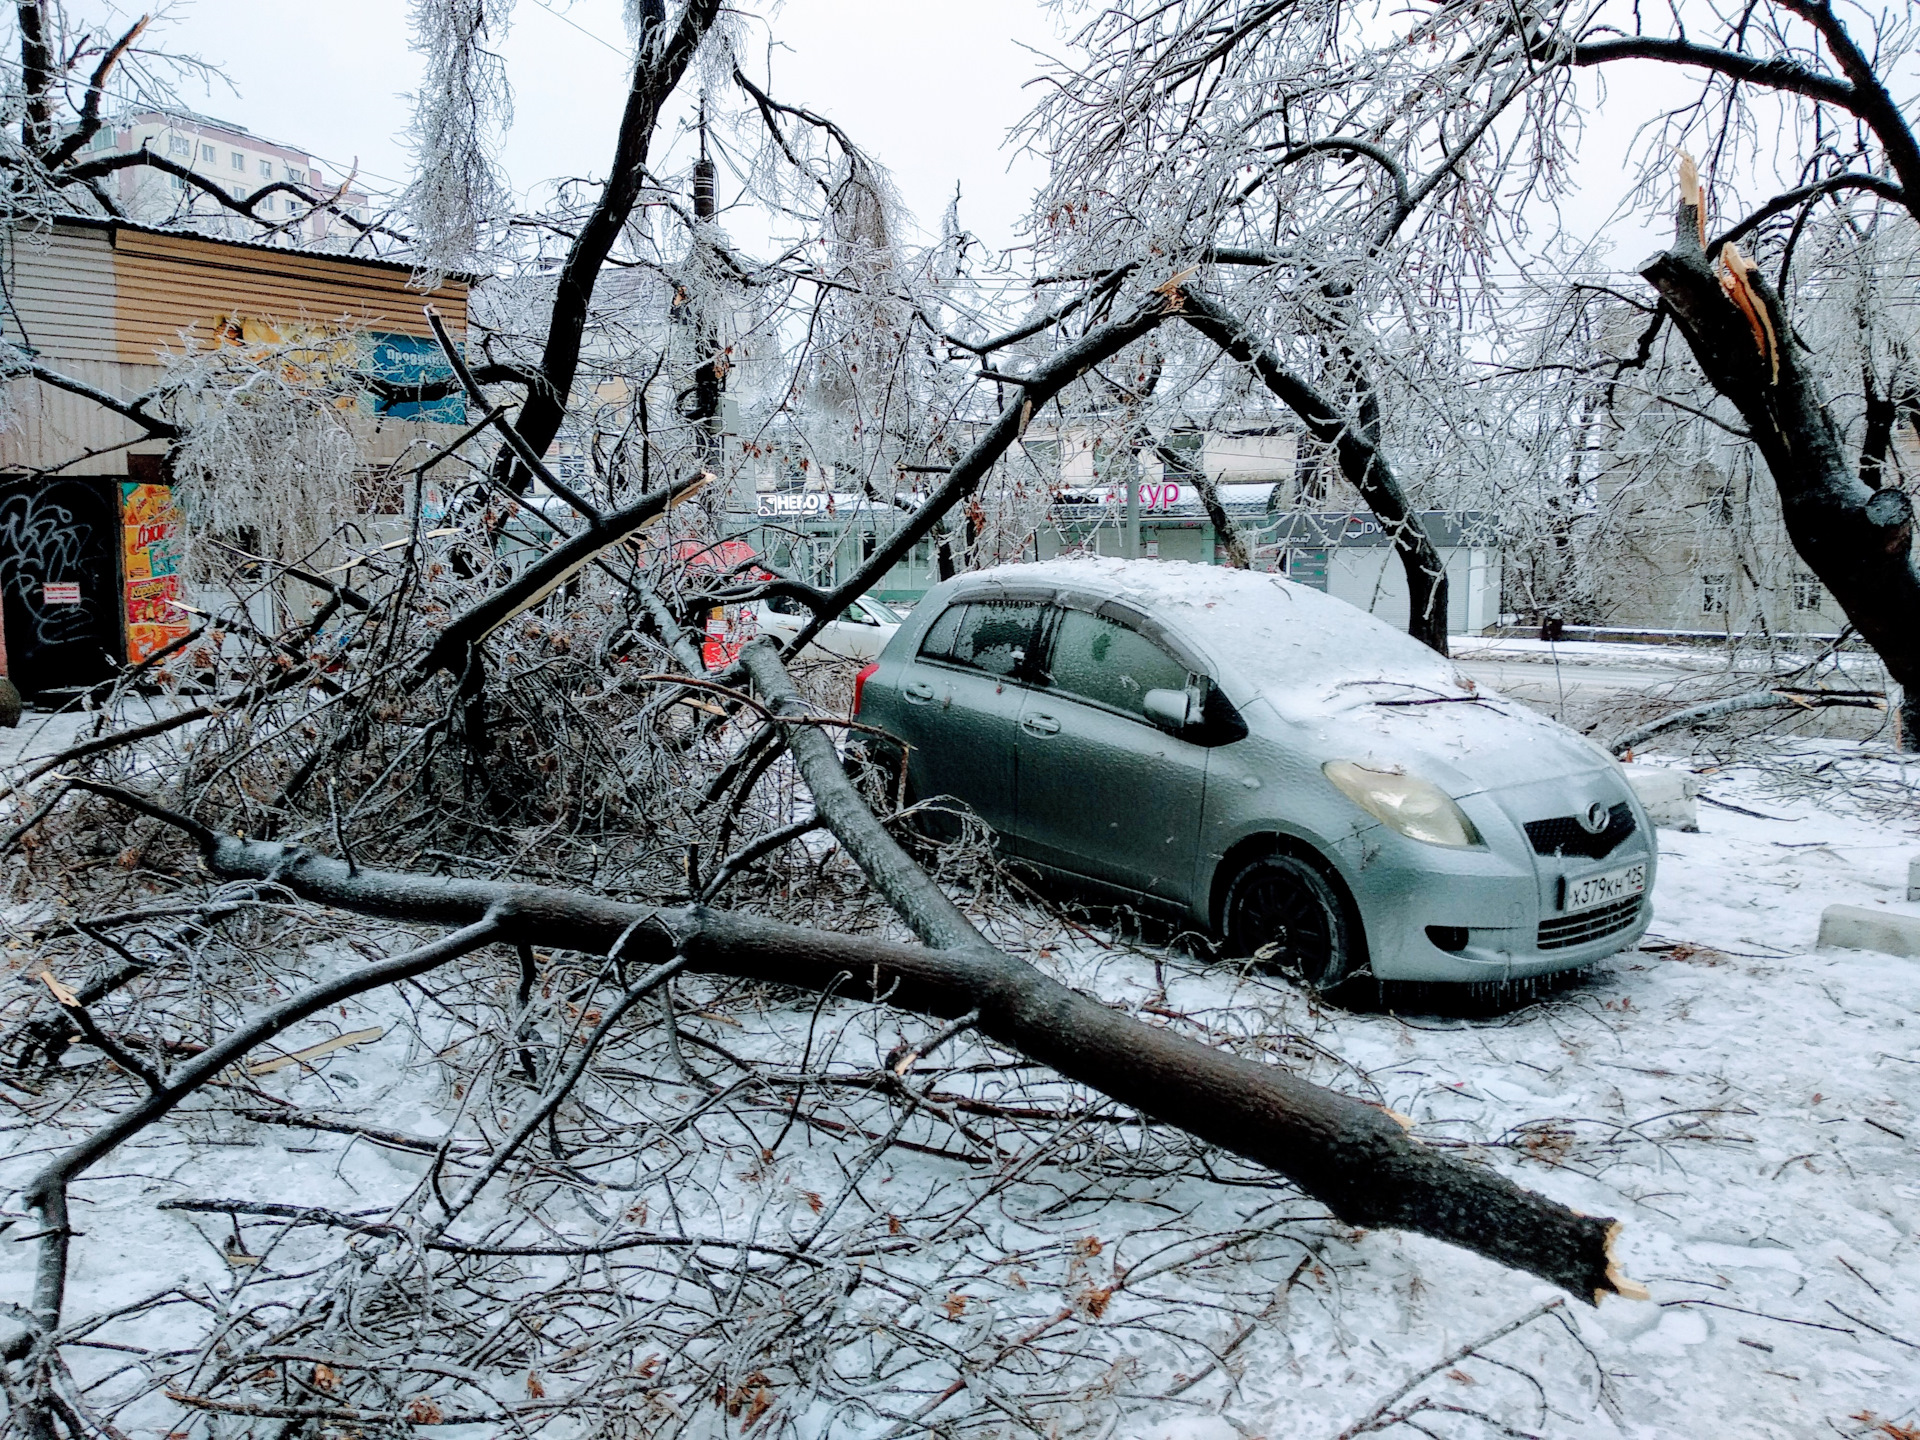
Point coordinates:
[[1282, 912]]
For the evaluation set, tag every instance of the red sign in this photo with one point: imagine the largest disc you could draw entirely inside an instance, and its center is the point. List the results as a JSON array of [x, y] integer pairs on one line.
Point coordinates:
[[60, 592]]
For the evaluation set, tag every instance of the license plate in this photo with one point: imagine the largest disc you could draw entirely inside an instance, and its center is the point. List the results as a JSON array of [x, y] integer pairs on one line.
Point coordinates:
[[1603, 889]]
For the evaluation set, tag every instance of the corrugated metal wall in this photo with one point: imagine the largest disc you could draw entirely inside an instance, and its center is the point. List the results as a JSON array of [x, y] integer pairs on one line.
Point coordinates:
[[62, 288], [51, 425], [168, 285], [102, 305]]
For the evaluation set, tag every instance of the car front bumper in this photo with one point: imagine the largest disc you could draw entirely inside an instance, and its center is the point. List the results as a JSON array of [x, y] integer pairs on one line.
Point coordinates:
[[1504, 896]]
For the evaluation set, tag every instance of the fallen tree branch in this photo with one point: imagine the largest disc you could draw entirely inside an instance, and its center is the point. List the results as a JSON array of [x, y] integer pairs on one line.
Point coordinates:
[[46, 1193], [548, 574], [1348, 1155], [1736, 704], [99, 744], [1374, 1419]]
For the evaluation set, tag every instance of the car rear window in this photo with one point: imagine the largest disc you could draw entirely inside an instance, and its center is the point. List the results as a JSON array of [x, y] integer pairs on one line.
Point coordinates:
[[1097, 660], [991, 635]]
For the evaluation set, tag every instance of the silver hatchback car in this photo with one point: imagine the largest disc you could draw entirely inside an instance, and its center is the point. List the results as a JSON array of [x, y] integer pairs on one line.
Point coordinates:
[[1320, 790]]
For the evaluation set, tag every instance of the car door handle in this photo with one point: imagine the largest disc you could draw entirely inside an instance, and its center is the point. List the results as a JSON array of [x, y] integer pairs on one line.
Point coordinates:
[[1040, 725], [919, 692]]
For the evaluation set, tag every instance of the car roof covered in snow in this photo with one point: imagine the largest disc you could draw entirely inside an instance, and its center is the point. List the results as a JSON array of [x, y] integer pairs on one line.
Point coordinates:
[[1303, 649]]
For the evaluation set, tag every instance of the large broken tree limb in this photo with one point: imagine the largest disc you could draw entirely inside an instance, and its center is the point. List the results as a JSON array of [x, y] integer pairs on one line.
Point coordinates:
[[1348, 1155], [1361, 462], [908, 888], [1279, 1121], [1857, 540], [1738, 704], [548, 574]]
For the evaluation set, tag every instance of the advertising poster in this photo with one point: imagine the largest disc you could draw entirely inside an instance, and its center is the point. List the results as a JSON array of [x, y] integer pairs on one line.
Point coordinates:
[[150, 561]]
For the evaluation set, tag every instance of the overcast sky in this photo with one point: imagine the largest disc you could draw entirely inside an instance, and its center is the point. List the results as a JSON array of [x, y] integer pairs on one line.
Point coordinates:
[[930, 87]]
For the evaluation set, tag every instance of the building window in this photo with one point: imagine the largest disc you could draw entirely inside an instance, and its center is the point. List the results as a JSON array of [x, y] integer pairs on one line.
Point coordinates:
[[179, 145], [266, 169], [207, 153], [1807, 593], [102, 140], [239, 161], [294, 175], [1182, 457], [178, 183], [1713, 594]]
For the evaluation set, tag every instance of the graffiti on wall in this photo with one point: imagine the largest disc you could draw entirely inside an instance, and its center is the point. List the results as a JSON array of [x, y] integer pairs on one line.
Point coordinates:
[[150, 561], [58, 589], [42, 545]]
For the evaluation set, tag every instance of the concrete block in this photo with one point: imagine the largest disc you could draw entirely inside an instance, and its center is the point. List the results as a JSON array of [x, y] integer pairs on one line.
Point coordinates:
[[1857, 927], [1667, 795]]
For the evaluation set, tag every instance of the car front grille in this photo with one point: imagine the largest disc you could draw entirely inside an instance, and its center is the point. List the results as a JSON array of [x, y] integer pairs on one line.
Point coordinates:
[[1596, 924], [1565, 835]]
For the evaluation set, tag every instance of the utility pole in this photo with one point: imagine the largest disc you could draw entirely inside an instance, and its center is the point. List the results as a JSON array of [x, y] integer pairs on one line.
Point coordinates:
[[1133, 505], [709, 376]]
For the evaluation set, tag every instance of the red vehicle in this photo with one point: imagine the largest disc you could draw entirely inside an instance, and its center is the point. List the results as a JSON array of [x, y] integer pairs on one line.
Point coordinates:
[[728, 626]]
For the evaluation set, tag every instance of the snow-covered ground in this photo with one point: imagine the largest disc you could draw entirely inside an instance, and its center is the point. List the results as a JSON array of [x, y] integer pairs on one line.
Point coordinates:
[[1748, 1106]]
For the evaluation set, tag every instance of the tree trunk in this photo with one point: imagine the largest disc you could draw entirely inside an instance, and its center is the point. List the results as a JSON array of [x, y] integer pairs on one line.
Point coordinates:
[[1857, 540], [663, 59], [1231, 538], [1361, 462]]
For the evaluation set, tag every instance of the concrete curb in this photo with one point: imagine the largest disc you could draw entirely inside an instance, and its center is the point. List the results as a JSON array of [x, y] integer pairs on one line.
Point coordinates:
[[1855, 927]]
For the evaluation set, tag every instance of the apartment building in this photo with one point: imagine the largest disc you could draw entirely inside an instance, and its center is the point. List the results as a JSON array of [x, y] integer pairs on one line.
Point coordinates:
[[237, 160]]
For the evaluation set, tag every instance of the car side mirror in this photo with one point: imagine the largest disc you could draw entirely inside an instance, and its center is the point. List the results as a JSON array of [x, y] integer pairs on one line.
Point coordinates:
[[1171, 710]]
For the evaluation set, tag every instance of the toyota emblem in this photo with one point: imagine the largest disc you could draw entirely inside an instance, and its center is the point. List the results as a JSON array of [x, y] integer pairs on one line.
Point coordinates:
[[1596, 818]]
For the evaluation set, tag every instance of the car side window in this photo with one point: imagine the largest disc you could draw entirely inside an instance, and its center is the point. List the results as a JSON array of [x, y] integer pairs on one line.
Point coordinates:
[[1098, 660], [938, 642], [991, 635]]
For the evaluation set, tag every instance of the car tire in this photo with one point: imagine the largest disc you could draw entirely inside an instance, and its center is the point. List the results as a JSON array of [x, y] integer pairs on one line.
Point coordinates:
[[1281, 911]]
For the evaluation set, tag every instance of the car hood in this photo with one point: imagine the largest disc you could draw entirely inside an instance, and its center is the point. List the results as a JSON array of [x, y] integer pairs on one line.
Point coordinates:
[[1464, 747]]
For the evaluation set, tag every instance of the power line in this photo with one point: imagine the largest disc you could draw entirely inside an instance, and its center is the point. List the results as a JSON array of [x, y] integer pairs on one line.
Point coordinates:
[[621, 51]]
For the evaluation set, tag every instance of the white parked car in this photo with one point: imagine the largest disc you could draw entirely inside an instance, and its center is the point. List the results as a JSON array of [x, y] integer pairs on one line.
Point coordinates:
[[860, 632]]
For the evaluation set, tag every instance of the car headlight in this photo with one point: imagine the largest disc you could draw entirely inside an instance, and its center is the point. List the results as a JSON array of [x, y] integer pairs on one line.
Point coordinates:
[[1416, 809]]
